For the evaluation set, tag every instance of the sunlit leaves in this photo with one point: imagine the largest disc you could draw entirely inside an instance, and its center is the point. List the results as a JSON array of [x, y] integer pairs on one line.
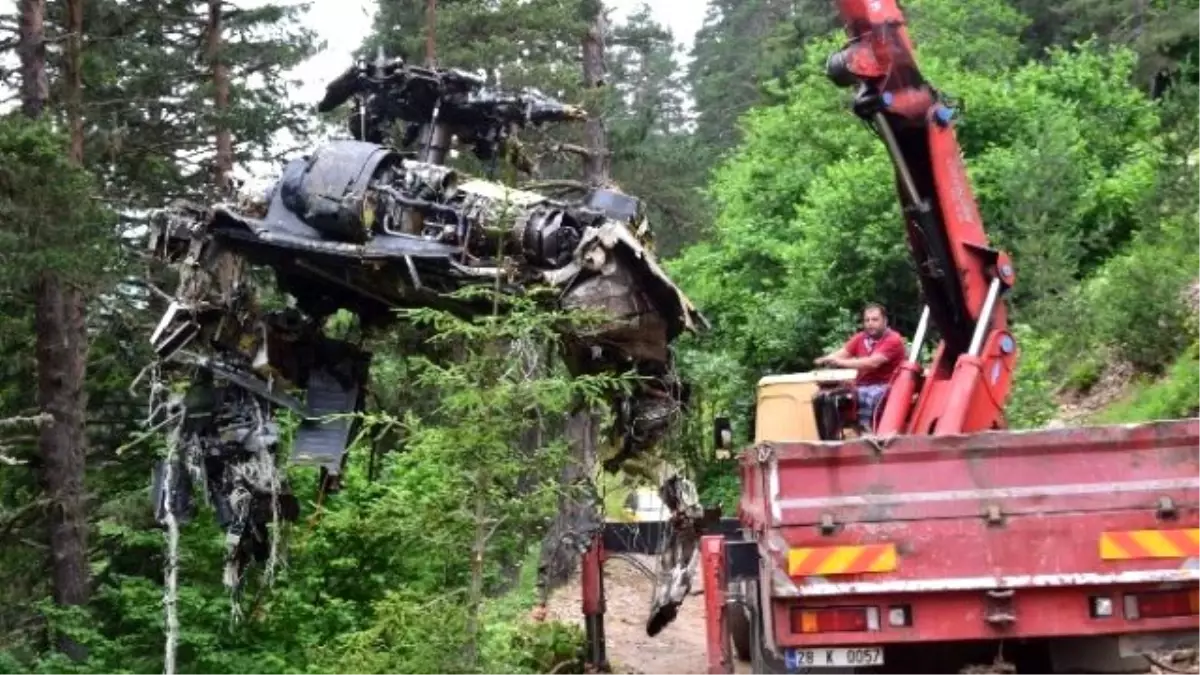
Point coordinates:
[[1065, 158]]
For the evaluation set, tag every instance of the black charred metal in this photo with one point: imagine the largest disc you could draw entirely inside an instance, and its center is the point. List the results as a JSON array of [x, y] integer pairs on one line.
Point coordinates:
[[433, 104]]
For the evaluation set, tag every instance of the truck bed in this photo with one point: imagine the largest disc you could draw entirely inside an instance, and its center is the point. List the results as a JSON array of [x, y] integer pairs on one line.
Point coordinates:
[[957, 517]]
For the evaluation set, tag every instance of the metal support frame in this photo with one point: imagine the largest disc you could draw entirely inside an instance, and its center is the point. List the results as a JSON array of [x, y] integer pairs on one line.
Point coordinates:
[[918, 341], [646, 538], [718, 656]]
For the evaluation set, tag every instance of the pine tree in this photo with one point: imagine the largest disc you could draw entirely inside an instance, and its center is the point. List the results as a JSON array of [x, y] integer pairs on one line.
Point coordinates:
[[150, 110], [653, 151]]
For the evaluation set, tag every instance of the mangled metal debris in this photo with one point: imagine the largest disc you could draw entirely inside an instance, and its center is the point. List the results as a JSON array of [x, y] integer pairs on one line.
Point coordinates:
[[366, 228], [433, 106]]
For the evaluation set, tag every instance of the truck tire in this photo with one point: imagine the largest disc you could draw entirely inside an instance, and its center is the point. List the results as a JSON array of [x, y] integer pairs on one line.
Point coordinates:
[[739, 632], [741, 610]]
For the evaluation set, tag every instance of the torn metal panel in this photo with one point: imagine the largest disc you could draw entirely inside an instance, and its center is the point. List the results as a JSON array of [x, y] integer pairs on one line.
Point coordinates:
[[613, 235], [323, 437], [175, 497]]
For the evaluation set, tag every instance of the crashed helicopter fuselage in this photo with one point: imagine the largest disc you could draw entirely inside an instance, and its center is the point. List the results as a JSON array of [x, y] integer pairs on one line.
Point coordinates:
[[366, 228], [357, 227]]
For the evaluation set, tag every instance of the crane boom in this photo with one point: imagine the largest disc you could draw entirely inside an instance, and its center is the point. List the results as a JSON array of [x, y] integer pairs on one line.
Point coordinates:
[[962, 278]]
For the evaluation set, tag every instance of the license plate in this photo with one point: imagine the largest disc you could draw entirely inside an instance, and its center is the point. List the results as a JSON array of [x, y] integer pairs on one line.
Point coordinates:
[[833, 657]]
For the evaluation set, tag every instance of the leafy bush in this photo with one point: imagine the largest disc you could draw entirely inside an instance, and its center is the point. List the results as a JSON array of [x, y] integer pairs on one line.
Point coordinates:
[[1084, 374], [1064, 155], [550, 647], [1140, 313], [1174, 396], [1031, 402]]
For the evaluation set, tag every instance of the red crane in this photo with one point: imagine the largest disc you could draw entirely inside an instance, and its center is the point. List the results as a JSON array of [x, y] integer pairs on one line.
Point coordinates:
[[951, 537], [963, 279]]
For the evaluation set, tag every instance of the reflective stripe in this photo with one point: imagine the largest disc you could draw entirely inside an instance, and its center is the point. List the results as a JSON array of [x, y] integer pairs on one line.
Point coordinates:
[[1143, 544], [828, 560]]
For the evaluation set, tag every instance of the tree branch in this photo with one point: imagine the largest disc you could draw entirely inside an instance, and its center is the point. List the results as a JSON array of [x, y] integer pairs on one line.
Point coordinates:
[[37, 420], [560, 185], [11, 519], [570, 148]]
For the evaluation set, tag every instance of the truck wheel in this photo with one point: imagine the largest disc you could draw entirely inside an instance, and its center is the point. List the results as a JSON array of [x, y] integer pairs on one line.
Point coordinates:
[[739, 633]]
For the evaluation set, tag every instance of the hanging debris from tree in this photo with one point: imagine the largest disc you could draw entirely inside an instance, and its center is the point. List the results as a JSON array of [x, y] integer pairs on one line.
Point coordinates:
[[366, 228]]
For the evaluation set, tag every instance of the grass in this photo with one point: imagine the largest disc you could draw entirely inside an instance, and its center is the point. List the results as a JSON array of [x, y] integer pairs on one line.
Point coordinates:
[[1175, 395]]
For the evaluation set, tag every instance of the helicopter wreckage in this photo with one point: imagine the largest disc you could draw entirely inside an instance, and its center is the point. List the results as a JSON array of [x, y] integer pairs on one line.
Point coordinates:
[[361, 226]]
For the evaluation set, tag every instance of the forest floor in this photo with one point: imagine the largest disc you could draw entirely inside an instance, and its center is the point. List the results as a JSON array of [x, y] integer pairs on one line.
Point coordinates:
[[679, 648], [1076, 409]]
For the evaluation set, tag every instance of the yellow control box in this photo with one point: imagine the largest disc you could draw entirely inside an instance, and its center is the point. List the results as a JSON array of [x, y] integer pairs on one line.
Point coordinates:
[[784, 410]]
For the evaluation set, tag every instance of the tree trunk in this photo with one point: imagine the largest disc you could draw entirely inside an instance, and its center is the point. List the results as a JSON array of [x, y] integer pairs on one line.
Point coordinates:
[[475, 590], [32, 50], [596, 164], [61, 359], [60, 345], [74, 76], [430, 33], [577, 515], [220, 79]]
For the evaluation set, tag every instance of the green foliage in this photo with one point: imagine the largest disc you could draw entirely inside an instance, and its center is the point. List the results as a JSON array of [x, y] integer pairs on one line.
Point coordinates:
[[1163, 32], [148, 97], [973, 36], [645, 118], [1031, 402], [1137, 305], [1175, 395], [1084, 374], [730, 58], [1065, 158], [429, 566], [51, 221]]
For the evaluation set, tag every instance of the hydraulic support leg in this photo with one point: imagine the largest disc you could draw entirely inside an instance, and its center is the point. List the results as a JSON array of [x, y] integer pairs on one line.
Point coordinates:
[[716, 619], [592, 581]]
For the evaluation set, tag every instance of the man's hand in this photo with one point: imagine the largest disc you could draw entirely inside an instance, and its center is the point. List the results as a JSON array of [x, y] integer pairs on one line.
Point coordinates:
[[825, 361]]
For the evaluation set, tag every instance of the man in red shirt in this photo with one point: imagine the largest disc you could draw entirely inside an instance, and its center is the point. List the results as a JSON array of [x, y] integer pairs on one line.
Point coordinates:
[[875, 352]]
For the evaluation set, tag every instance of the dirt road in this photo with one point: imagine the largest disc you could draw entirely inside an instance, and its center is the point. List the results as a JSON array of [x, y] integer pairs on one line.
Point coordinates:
[[678, 649]]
